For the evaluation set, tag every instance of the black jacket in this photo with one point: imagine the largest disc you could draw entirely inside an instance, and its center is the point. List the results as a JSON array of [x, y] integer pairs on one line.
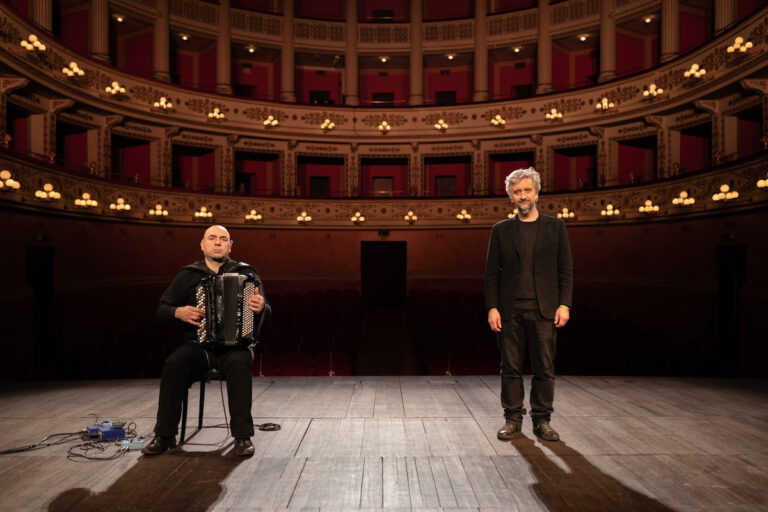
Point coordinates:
[[552, 266], [181, 292]]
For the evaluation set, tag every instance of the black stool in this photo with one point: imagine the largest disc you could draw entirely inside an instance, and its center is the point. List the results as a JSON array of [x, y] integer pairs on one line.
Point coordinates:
[[212, 374]]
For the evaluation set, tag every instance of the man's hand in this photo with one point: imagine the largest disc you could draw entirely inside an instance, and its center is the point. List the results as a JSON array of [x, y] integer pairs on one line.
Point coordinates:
[[189, 314], [494, 319], [562, 315], [256, 303]]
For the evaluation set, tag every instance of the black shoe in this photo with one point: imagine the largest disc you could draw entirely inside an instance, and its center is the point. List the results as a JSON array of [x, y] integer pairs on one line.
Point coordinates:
[[509, 431], [244, 447], [159, 445], [543, 430]]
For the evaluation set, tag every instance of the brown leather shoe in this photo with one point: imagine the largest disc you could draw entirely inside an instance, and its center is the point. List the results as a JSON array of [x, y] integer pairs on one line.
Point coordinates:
[[543, 430], [159, 445], [244, 447], [509, 431]]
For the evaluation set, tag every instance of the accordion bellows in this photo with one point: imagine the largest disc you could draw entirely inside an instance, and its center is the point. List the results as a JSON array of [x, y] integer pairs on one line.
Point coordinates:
[[227, 321]]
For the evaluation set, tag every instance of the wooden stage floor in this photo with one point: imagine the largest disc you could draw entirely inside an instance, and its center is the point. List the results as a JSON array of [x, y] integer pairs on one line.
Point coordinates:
[[403, 443]]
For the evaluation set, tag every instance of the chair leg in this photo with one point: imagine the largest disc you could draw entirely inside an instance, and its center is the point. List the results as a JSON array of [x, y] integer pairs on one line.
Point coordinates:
[[184, 416], [202, 404]]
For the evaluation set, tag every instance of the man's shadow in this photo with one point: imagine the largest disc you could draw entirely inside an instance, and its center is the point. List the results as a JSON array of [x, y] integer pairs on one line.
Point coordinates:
[[585, 487], [176, 480]]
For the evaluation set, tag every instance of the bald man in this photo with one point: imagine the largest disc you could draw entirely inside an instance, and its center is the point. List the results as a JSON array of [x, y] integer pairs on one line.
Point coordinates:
[[189, 362]]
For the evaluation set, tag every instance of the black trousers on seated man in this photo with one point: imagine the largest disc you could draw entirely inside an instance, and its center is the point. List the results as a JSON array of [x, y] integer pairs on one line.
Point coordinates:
[[188, 364], [526, 327]]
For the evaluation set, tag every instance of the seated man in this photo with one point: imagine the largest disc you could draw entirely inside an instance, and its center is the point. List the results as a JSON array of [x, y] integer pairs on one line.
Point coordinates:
[[189, 362]]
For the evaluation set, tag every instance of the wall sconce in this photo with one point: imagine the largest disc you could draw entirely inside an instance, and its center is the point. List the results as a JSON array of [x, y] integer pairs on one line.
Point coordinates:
[[450, 56], [651, 91], [410, 217], [566, 214], [73, 70], [463, 216], [357, 218], [327, 125], [7, 183], [184, 37], [739, 46], [553, 115], [760, 183], [511, 215], [683, 199], [647, 19], [120, 205], [583, 37], [47, 194], [610, 211], [251, 48], [32, 43], [85, 201], [441, 125], [725, 194], [648, 207], [271, 122], [203, 213], [516, 49], [604, 104], [303, 218], [164, 104], [119, 17], [253, 216], [216, 115], [498, 121], [158, 211], [383, 59], [115, 88], [696, 71], [384, 127]]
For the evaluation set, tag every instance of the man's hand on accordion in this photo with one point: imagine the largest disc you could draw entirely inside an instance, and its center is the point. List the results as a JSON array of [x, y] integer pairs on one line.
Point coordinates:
[[256, 303], [189, 314]]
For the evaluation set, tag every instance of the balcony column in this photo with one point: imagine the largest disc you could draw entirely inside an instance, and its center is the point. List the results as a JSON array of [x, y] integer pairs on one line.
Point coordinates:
[[41, 12], [350, 60], [607, 41], [224, 49], [670, 30], [98, 41], [287, 88], [161, 43], [726, 13], [416, 65], [544, 51], [481, 52]]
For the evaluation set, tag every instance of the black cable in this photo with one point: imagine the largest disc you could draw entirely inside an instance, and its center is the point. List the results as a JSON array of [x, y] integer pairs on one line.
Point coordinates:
[[42, 443]]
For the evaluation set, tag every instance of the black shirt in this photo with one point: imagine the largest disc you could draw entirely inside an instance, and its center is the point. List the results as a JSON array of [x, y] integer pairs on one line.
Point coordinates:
[[526, 245]]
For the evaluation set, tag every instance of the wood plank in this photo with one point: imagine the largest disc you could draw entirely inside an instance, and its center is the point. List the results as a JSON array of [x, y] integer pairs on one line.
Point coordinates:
[[395, 483], [329, 482]]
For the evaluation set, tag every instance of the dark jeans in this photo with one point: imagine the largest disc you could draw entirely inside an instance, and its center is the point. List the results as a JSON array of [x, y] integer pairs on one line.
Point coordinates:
[[186, 365], [526, 327]]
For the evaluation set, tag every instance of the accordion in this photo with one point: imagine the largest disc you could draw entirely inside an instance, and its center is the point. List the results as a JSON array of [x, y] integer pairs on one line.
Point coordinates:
[[227, 321]]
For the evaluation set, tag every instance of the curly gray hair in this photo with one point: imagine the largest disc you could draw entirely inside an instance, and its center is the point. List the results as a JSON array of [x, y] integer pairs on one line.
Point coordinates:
[[518, 175]]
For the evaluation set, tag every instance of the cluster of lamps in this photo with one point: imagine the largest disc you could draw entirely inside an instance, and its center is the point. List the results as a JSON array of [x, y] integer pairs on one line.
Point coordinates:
[[253, 216], [327, 125], [47, 194], [73, 70], [115, 88], [120, 205], [738, 46], [696, 71], [648, 207], [384, 127], [158, 211], [410, 217], [163, 103], [271, 121], [725, 193], [683, 199], [32, 43], [498, 121], [760, 183], [203, 213], [554, 115], [251, 48], [511, 215], [7, 182], [216, 114], [357, 218], [604, 104], [441, 125], [464, 216], [610, 211], [85, 201], [565, 214], [651, 91], [303, 218]]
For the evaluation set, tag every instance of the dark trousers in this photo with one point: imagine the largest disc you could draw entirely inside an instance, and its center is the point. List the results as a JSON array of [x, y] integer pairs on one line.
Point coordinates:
[[186, 365], [526, 327]]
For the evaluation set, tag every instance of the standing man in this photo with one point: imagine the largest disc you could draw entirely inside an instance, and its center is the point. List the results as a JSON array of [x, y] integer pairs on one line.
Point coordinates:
[[528, 288], [189, 362]]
